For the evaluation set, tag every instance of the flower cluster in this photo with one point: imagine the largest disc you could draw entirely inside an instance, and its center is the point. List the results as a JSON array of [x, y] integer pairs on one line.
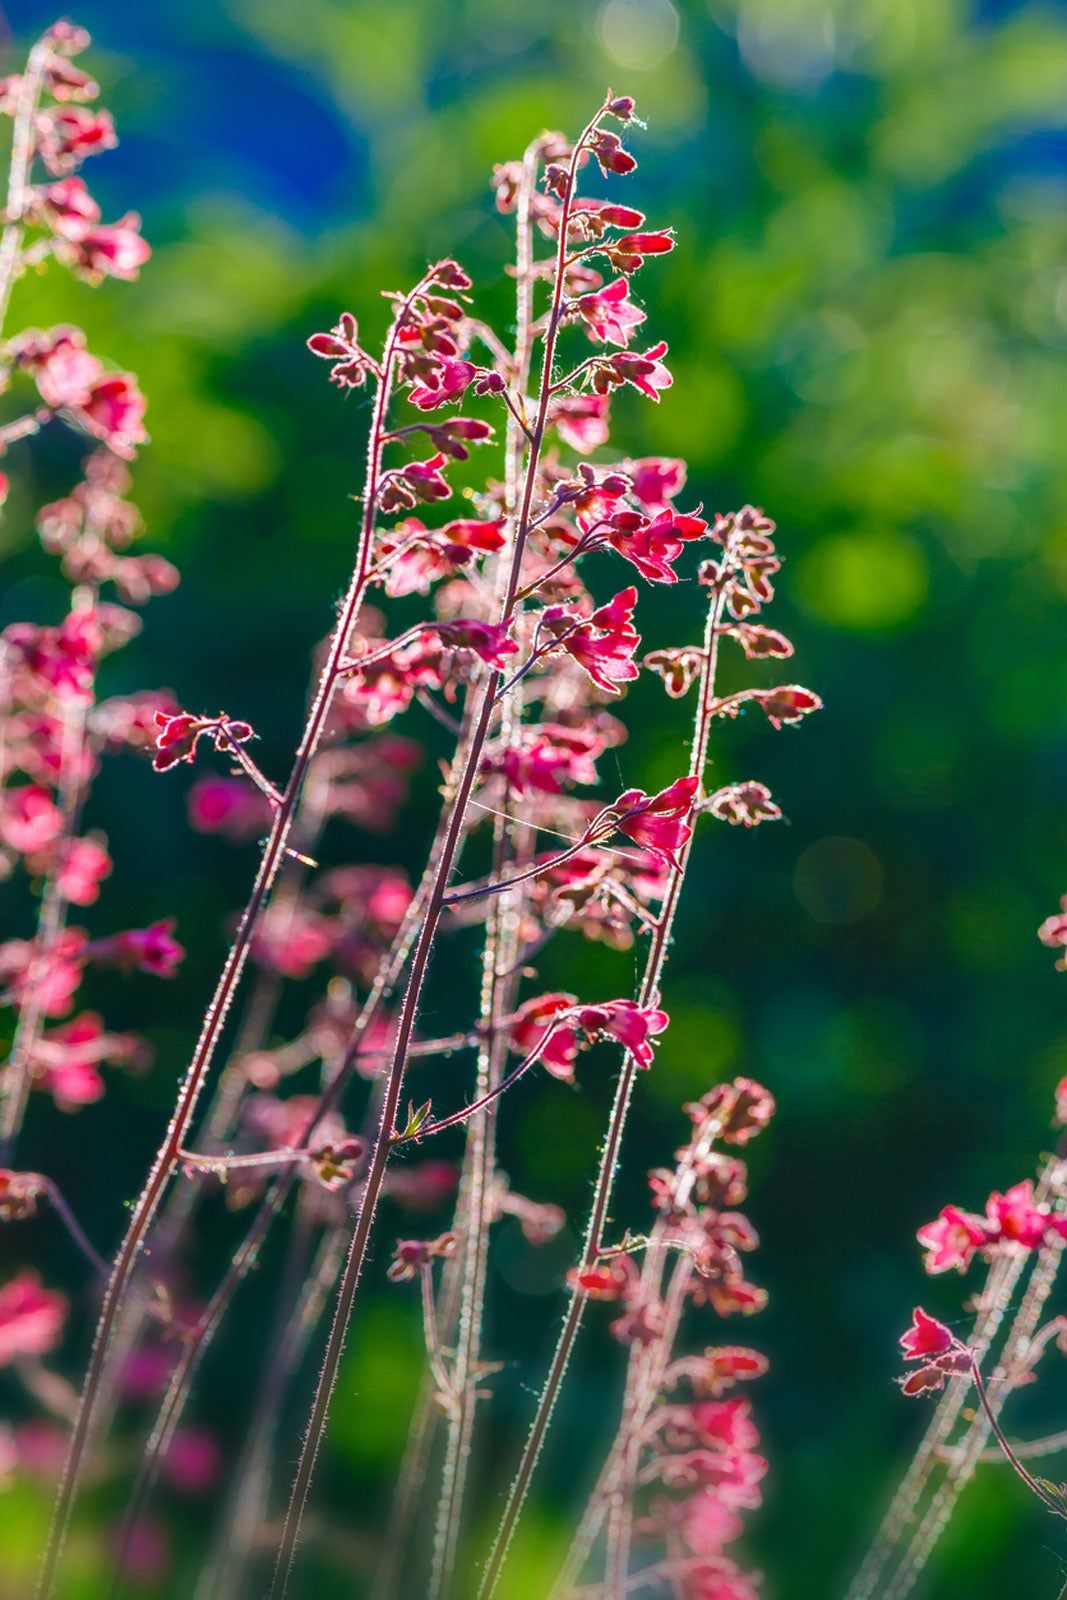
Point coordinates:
[[687, 1452]]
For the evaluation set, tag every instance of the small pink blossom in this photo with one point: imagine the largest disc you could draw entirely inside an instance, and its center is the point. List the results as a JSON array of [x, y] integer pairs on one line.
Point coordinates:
[[1053, 933], [29, 819], [31, 1318], [926, 1337], [656, 822], [646, 371], [653, 546], [153, 949], [787, 704], [608, 314], [603, 643], [66, 137], [633, 1025], [952, 1240], [340, 345], [450, 378], [580, 420], [1014, 1217], [112, 250], [538, 1026], [114, 412], [657, 481], [82, 865], [180, 732]]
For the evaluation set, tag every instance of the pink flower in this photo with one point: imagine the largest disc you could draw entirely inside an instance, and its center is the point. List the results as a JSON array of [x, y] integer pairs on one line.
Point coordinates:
[[114, 412], [926, 1337], [67, 1060], [787, 704], [657, 480], [193, 1461], [114, 250], [1053, 933], [707, 1525], [451, 377], [759, 642], [744, 804], [152, 949], [608, 314], [653, 547], [412, 1255], [180, 733], [549, 756], [1015, 1218], [645, 371], [31, 1318], [490, 641], [66, 137], [62, 367], [68, 207], [341, 347], [414, 557], [230, 806], [580, 420], [426, 478], [633, 1025], [604, 643], [29, 819], [951, 1241], [83, 864], [292, 942], [656, 822], [538, 1026], [628, 253]]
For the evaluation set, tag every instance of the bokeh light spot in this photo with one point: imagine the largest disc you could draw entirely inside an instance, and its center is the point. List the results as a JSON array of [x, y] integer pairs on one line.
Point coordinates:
[[838, 880], [638, 33], [868, 581]]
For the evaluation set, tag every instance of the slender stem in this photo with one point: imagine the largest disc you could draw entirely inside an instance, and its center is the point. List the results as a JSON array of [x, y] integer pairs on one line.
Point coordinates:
[[1013, 1460], [480, 1104], [274, 854], [17, 1073], [22, 152], [499, 984], [648, 995], [73, 1226], [420, 960], [456, 896]]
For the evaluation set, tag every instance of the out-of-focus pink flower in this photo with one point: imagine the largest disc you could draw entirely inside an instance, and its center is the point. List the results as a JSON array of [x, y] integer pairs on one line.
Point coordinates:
[[952, 1240], [233, 807], [422, 1185], [490, 641], [1015, 1218], [29, 819], [31, 1318], [84, 862], [68, 207], [548, 756], [67, 1060], [580, 420], [66, 137], [1053, 933], [53, 980], [147, 1555], [114, 412], [193, 1461], [706, 1524], [657, 481], [152, 949], [292, 942], [656, 822], [107, 250]]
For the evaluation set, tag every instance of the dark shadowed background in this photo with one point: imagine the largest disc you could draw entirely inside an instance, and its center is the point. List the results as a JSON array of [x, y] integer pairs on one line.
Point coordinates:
[[867, 314]]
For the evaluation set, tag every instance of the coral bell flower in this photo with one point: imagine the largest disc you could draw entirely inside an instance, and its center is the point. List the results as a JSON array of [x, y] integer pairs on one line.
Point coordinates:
[[656, 822], [628, 252], [31, 1318], [926, 1338], [604, 643], [114, 250], [634, 1026], [451, 378], [608, 314], [1014, 1217], [538, 1026], [654, 546], [951, 1241]]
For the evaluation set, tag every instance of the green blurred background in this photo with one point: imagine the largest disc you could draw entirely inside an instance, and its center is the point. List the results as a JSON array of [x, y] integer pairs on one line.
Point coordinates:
[[867, 316]]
